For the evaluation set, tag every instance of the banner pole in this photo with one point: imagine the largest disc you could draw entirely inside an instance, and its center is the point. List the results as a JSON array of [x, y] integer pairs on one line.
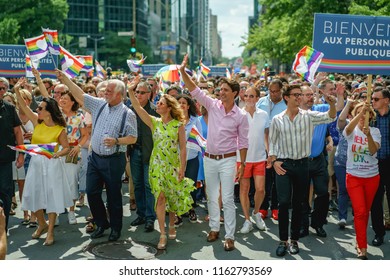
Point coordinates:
[[369, 93]]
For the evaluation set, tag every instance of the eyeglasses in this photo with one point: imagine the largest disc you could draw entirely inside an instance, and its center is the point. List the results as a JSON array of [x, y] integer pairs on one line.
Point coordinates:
[[40, 108], [203, 87], [141, 92], [376, 99], [243, 88], [274, 91], [363, 97], [58, 92], [3, 88], [91, 91], [309, 95], [250, 96], [296, 94]]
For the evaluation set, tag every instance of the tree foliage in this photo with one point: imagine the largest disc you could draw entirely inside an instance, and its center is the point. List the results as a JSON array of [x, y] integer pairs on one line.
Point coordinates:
[[287, 25], [24, 18]]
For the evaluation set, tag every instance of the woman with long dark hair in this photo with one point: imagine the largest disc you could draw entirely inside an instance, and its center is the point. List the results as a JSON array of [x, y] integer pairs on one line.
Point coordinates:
[[45, 186], [190, 120]]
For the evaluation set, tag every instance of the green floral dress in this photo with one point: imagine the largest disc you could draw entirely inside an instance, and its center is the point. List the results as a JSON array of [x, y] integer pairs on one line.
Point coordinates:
[[164, 168]]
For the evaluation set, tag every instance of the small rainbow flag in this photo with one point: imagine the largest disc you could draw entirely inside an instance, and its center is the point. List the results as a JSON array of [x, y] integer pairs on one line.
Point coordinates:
[[196, 141], [69, 63], [262, 75], [51, 37], [204, 69], [228, 74], [100, 72], [135, 65], [29, 65], [306, 63], [36, 47], [87, 61], [46, 150]]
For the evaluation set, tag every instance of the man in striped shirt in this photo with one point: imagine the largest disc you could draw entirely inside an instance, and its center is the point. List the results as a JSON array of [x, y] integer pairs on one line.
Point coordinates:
[[291, 135]]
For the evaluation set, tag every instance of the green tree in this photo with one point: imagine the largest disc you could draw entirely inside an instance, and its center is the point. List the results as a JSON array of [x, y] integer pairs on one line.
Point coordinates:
[[9, 31], [287, 25], [30, 16]]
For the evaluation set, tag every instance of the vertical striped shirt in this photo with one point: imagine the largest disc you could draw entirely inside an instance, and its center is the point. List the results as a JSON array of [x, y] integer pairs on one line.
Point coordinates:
[[292, 139]]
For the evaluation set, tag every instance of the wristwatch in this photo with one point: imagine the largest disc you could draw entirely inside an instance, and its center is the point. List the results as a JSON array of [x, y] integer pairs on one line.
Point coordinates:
[[243, 163], [273, 161]]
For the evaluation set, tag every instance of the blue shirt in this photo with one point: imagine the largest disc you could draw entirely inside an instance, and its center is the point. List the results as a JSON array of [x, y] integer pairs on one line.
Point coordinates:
[[271, 108], [319, 134], [383, 123], [109, 122]]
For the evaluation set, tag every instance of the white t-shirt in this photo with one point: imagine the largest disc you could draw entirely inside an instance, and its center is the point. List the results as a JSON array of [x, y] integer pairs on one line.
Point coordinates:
[[360, 162], [257, 124]]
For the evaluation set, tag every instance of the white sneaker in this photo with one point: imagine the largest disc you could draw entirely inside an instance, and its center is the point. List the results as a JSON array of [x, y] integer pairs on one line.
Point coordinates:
[[246, 227], [72, 218], [259, 221], [342, 223]]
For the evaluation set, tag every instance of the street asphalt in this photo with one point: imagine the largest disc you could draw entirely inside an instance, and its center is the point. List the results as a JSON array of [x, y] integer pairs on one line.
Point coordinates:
[[73, 243]]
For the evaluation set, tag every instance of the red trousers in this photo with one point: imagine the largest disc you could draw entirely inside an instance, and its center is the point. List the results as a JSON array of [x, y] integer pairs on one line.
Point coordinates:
[[361, 192]]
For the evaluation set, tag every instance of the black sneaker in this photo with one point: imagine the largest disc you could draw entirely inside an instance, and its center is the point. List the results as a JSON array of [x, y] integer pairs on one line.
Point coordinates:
[[192, 216], [178, 221], [293, 248]]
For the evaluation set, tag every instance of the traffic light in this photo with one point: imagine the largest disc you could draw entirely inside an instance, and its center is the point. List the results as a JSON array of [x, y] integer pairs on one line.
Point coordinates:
[[133, 49]]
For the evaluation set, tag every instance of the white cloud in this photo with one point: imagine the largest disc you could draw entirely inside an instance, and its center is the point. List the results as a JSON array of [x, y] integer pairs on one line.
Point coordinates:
[[232, 24]]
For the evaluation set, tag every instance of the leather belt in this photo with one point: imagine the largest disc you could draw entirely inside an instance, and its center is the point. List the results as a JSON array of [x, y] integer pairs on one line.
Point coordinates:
[[218, 157], [314, 158]]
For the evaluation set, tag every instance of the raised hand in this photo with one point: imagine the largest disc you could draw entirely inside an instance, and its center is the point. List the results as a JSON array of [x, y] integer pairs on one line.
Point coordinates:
[[184, 63], [134, 83]]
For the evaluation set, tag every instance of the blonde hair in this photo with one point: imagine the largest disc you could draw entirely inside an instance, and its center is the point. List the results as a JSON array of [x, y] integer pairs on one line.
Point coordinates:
[[361, 104], [13, 97], [176, 111], [25, 94]]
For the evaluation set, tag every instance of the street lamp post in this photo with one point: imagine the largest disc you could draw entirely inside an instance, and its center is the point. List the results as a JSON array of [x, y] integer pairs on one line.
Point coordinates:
[[190, 48], [95, 41]]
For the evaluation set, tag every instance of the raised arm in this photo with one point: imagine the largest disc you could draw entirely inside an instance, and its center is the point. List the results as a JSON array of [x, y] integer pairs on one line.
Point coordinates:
[[189, 83], [22, 105], [145, 117], [41, 86], [340, 89], [342, 120], [351, 126], [76, 91]]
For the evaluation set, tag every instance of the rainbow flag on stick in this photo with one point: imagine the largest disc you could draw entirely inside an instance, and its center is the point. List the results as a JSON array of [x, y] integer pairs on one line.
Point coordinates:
[[306, 63], [37, 47], [51, 37], [46, 150], [29, 65], [69, 63], [204, 69], [135, 65], [87, 61], [100, 72], [196, 141]]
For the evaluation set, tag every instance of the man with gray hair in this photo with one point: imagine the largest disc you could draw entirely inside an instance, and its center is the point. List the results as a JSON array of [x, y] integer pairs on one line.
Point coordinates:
[[114, 127]]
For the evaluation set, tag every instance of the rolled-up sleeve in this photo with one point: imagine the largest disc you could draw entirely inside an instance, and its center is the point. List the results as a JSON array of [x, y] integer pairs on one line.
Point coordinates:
[[202, 98]]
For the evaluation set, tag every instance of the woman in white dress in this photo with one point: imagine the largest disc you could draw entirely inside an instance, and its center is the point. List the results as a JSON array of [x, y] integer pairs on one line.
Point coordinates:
[[45, 186]]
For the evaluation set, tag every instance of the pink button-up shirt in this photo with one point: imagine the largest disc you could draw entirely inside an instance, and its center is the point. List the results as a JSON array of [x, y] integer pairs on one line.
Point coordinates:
[[226, 132]]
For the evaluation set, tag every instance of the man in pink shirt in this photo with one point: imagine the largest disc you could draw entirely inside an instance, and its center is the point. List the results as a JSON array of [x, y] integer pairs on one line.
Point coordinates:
[[227, 131]]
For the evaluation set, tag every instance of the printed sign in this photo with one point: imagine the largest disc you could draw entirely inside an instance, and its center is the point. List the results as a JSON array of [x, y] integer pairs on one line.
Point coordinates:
[[353, 44], [13, 60]]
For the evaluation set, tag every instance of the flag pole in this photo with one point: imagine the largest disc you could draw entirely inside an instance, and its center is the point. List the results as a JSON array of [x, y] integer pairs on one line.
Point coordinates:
[[369, 93], [52, 57]]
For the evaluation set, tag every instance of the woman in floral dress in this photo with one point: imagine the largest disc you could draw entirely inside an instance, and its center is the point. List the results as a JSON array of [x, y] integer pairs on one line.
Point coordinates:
[[168, 161]]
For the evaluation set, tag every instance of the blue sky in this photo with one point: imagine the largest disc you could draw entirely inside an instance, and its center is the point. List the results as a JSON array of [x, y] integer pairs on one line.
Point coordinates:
[[232, 23]]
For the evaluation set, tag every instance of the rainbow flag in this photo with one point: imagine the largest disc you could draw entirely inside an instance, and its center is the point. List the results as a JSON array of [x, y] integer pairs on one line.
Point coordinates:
[[262, 75], [29, 65], [196, 141], [204, 69], [135, 65], [306, 63], [36, 47], [100, 72], [69, 63], [51, 37], [228, 74], [46, 150], [87, 61]]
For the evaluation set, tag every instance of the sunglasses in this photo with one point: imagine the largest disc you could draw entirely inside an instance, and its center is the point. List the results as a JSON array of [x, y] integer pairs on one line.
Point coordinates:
[[243, 88], [3, 88], [376, 99], [204, 88], [91, 91], [141, 92], [250, 96]]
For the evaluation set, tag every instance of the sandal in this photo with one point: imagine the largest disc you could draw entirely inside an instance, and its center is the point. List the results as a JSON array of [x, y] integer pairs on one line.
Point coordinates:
[[12, 212], [26, 220], [13, 205], [33, 224], [162, 244], [90, 227], [172, 232]]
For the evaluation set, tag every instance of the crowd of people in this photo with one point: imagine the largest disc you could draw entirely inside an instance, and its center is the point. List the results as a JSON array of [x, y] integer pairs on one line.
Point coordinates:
[[291, 147]]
